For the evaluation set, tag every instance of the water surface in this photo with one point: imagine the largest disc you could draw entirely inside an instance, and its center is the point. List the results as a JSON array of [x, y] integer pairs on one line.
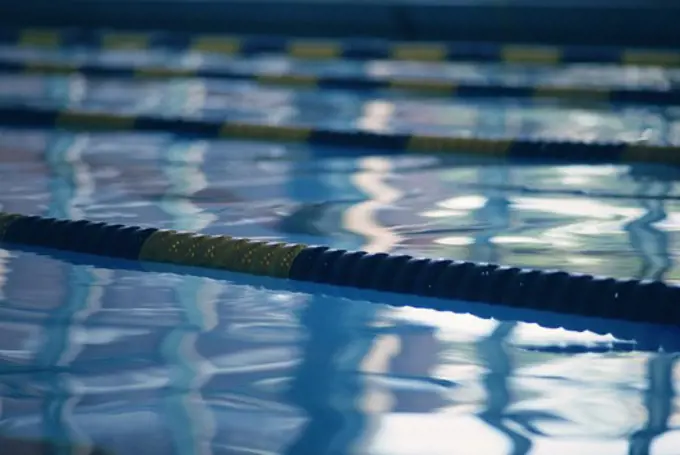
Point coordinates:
[[146, 359]]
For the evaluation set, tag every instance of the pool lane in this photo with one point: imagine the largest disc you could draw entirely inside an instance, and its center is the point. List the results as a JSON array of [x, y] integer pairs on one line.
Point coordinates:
[[606, 220], [215, 101], [452, 79]]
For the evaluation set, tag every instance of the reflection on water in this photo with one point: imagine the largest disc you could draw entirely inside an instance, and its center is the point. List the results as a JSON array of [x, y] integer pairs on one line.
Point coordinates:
[[129, 360], [169, 363], [216, 100]]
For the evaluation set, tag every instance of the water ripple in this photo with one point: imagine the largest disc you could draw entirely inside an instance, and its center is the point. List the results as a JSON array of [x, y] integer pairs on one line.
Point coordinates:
[[100, 355]]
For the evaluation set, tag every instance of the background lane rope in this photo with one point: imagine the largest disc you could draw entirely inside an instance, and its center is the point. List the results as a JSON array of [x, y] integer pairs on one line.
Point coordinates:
[[357, 49], [440, 87], [573, 151]]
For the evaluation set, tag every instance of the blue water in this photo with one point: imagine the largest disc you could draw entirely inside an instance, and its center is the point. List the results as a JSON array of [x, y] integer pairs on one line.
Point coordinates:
[[166, 360], [370, 111]]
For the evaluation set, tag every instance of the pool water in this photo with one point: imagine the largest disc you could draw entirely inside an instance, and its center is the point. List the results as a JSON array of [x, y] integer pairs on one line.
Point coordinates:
[[125, 358]]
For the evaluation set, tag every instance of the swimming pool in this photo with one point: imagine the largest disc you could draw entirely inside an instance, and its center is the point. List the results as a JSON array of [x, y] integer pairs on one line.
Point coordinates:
[[126, 356]]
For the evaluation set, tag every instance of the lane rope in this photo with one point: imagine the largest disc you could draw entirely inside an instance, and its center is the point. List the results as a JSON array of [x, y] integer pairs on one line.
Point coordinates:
[[574, 151], [356, 49], [643, 336], [557, 291], [667, 96]]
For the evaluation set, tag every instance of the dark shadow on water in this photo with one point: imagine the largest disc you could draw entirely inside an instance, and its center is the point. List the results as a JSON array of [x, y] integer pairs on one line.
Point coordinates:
[[658, 400], [650, 243], [326, 385], [493, 352]]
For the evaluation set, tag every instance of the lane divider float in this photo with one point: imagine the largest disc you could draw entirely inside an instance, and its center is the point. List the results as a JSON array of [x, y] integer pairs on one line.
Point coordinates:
[[558, 291], [318, 49], [640, 336], [439, 87], [499, 147]]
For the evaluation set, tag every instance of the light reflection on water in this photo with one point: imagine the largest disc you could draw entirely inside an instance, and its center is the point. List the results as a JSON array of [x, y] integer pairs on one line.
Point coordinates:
[[193, 365], [188, 364], [391, 112]]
